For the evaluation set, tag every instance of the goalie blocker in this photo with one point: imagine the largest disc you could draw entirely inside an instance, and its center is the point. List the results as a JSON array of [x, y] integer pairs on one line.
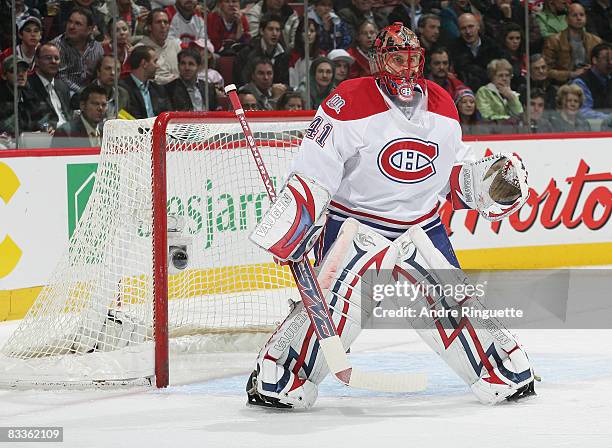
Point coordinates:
[[292, 224]]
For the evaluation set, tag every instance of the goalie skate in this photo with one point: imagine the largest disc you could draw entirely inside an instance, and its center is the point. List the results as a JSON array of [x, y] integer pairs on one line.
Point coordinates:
[[303, 396], [526, 391]]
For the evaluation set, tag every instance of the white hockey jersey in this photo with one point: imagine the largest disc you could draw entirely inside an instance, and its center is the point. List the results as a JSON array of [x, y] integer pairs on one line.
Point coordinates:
[[186, 30], [380, 167]]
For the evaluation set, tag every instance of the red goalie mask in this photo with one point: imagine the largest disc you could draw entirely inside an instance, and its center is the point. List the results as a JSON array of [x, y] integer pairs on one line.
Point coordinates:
[[396, 60]]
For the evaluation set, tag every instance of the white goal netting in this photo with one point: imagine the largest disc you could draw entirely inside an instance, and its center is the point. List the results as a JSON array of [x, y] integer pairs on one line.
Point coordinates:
[[95, 321]]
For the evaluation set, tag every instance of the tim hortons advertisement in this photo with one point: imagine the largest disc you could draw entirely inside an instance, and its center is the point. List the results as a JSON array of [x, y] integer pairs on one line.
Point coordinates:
[[565, 222]]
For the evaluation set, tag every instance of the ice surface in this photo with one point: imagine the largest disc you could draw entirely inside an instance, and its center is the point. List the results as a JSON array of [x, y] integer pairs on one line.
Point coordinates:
[[573, 407]]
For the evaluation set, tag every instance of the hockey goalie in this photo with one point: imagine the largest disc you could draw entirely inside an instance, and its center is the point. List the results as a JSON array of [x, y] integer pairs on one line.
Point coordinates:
[[364, 194]]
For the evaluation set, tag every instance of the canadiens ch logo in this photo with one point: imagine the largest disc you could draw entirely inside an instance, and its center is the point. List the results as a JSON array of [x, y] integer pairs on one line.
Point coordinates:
[[405, 91], [408, 160]]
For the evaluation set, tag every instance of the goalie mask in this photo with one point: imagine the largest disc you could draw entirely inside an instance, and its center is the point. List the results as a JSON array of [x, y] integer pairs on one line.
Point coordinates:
[[396, 60]]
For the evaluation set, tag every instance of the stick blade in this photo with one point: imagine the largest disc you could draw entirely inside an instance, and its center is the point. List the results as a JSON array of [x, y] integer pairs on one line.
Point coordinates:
[[342, 370], [388, 382]]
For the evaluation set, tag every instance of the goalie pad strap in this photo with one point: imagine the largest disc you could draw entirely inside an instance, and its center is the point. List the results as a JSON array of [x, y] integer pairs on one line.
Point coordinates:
[[292, 224]]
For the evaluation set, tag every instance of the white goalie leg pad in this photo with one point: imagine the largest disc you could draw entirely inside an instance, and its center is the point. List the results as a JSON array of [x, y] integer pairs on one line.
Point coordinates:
[[292, 224], [496, 185], [291, 364], [280, 373], [483, 353]]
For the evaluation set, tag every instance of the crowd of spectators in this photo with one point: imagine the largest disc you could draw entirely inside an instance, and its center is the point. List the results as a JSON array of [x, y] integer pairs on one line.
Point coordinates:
[[80, 62]]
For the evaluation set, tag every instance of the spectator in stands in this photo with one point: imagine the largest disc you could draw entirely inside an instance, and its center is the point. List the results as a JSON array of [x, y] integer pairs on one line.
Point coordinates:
[[147, 98], [132, 14], [166, 47], [247, 99], [538, 123], [8, 72], [290, 101], [207, 72], [606, 125], [321, 80], [66, 8], [470, 54], [29, 30], [469, 117], [267, 45], [496, 101], [567, 53], [449, 19], [50, 96], [439, 72], [513, 50], [124, 46], [429, 31], [85, 129], [260, 72], [333, 31], [539, 80], [6, 19], [551, 20], [289, 18], [79, 52], [498, 15], [596, 84], [599, 19], [186, 21], [343, 62], [27, 8], [360, 10], [567, 117], [107, 69], [188, 92], [7, 89], [228, 26], [502, 13], [366, 33], [297, 62], [161, 3], [403, 13]]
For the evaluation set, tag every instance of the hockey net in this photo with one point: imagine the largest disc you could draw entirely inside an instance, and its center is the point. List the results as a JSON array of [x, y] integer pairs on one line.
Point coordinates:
[[102, 317]]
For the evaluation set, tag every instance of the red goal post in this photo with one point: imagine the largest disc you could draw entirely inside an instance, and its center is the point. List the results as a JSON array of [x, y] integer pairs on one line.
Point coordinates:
[[160, 253]]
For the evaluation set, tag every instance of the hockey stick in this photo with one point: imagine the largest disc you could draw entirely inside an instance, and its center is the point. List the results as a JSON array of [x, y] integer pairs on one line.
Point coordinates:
[[315, 304]]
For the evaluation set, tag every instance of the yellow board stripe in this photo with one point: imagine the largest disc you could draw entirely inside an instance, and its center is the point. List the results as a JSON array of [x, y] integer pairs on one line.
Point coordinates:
[[15, 303], [537, 257]]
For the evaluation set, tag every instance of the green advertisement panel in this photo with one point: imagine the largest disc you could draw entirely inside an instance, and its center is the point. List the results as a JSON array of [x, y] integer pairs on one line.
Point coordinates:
[[80, 178]]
